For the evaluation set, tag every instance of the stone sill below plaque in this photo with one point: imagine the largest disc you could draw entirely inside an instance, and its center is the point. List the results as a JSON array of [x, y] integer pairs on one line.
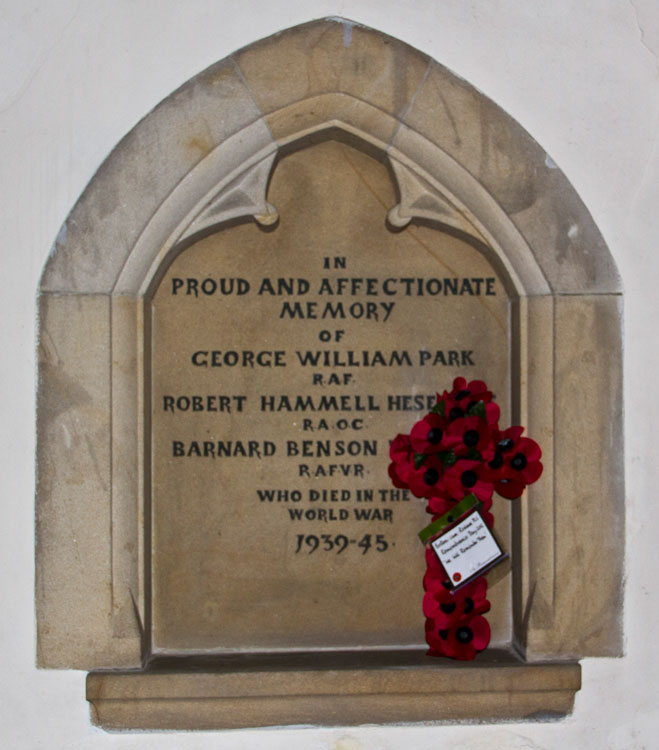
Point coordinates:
[[337, 688]]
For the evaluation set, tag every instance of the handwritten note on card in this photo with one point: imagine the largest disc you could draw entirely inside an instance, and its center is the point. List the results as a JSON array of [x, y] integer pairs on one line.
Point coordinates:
[[467, 549]]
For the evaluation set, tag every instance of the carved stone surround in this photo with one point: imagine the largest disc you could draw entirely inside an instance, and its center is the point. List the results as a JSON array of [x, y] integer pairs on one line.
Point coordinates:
[[202, 158]]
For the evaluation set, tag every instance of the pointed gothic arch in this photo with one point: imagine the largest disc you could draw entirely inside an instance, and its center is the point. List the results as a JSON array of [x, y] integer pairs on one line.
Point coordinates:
[[201, 159]]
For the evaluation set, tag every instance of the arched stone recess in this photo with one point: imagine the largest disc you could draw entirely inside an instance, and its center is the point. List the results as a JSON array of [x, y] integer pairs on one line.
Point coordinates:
[[201, 160]]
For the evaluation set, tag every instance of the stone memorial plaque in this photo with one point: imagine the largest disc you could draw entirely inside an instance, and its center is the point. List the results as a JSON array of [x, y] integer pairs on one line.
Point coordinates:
[[212, 472], [282, 364]]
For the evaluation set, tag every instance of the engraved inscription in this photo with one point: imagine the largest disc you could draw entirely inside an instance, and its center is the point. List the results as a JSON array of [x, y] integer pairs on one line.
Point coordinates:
[[280, 371]]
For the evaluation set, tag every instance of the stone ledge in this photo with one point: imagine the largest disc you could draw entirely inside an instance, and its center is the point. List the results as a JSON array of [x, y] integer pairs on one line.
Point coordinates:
[[330, 689]]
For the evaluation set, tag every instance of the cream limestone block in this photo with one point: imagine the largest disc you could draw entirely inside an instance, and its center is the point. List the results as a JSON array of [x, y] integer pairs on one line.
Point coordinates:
[[333, 710], [579, 260], [332, 110], [331, 56], [520, 176], [588, 482], [419, 200], [225, 175], [407, 687], [127, 494], [73, 571], [478, 134], [139, 174], [242, 197], [513, 254], [534, 528]]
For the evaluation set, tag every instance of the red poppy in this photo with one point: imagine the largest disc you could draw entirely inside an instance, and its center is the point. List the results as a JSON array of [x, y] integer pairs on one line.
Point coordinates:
[[439, 505], [503, 437], [453, 408], [446, 607], [511, 489], [434, 569], [525, 462], [400, 452], [492, 414], [429, 435], [448, 407], [521, 466], [471, 434], [488, 518], [425, 480], [469, 476], [400, 448], [463, 640], [504, 445], [470, 393], [434, 575], [396, 480]]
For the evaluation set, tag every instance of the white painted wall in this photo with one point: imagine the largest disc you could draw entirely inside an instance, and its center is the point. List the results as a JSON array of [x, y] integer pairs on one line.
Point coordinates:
[[581, 77]]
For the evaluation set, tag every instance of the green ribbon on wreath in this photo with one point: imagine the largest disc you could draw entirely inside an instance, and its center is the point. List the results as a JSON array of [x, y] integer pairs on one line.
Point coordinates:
[[468, 502]]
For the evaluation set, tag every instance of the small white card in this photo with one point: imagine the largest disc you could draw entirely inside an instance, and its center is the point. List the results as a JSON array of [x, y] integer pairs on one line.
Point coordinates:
[[467, 549]]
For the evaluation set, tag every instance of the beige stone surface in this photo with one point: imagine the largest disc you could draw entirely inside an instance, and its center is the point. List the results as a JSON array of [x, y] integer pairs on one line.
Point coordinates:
[[534, 523], [74, 514], [127, 517], [520, 176], [141, 172], [479, 208], [588, 478], [479, 135], [336, 109], [331, 56], [409, 687], [226, 570], [221, 174]]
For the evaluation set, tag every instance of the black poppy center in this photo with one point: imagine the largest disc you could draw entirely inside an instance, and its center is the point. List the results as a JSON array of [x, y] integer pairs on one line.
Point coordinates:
[[431, 476], [496, 462], [461, 394], [505, 445], [455, 413], [447, 607], [443, 634], [468, 478], [470, 438], [435, 436], [469, 605], [519, 462], [464, 634]]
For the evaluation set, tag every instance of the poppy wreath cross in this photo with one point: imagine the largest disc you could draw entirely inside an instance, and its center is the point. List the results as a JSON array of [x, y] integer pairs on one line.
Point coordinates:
[[455, 458]]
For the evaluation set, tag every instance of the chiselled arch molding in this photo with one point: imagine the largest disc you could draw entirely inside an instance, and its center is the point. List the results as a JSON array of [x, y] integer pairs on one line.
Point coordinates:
[[455, 198], [182, 213], [218, 190], [457, 157]]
